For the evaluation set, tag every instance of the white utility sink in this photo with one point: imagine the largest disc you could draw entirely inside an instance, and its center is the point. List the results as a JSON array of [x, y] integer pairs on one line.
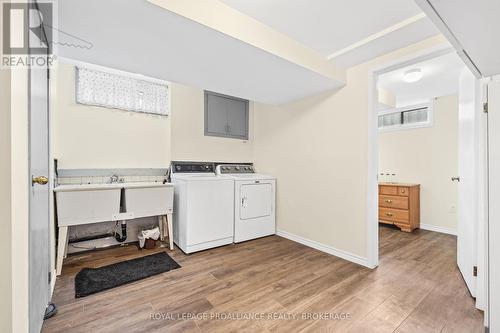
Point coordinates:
[[84, 204], [92, 203], [148, 199], [87, 187]]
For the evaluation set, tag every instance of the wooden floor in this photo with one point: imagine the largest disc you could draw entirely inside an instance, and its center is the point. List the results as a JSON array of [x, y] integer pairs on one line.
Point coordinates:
[[416, 288]]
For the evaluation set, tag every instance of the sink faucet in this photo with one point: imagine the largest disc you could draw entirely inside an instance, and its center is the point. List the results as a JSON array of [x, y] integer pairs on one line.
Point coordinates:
[[113, 179]]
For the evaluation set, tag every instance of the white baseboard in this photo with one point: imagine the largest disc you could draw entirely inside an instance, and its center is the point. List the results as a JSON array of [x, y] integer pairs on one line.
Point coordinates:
[[325, 248], [442, 230]]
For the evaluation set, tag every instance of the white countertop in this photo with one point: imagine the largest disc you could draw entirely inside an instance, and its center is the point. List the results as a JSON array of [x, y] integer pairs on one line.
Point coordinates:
[[108, 186]]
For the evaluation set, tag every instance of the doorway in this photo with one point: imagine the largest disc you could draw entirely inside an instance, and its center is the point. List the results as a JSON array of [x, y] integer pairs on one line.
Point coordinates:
[[416, 113]]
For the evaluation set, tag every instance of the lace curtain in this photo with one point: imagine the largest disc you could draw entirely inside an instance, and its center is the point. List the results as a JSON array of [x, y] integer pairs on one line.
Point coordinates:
[[120, 92]]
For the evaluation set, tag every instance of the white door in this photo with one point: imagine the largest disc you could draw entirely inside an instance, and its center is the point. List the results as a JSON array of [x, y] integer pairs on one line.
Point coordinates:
[[254, 207], [467, 143], [39, 263], [493, 204], [256, 200]]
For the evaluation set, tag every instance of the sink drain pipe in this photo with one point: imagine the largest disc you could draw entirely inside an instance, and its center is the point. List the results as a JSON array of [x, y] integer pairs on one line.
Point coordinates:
[[123, 236]]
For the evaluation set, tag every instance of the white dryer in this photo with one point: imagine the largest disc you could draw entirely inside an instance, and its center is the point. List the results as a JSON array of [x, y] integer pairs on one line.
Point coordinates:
[[203, 206], [254, 201]]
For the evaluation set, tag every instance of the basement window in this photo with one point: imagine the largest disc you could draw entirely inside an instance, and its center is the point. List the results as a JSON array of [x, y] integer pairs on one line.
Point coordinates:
[[120, 91], [415, 116]]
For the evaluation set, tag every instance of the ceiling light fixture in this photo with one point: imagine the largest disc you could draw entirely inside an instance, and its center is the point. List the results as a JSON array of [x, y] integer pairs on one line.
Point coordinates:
[[412, 75]]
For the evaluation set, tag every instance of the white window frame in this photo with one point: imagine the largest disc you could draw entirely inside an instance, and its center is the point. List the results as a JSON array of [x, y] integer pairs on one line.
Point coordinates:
[[430, 117]]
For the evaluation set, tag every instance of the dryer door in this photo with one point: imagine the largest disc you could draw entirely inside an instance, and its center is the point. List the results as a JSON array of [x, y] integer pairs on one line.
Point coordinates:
[[256, 200]]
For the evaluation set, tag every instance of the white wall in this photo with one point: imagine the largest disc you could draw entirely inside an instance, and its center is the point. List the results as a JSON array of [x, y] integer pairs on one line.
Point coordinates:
[[429, 157], [318, 149]]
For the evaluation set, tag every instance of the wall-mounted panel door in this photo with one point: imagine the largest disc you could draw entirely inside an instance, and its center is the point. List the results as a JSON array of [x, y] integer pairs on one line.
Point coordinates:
[[226, 116], [238, 118], [215, 115]]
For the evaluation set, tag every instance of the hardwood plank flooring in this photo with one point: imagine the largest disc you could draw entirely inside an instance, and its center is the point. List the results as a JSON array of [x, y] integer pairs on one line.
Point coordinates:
[[239, 288]]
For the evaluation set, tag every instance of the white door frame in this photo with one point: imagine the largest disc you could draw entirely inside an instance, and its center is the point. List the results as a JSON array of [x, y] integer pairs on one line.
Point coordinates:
[[481, 177], [493, 251]]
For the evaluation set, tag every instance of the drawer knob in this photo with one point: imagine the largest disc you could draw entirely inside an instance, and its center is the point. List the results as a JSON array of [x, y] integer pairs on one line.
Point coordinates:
[[403, 191], [389, 214], [388, 200]]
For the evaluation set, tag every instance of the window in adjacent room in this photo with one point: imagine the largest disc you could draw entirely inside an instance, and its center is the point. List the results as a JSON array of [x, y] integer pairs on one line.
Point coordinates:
[[414, 116]]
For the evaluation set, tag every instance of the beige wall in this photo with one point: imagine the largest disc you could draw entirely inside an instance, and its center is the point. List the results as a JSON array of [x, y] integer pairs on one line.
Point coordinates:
[[95, 137], [317, 147], [5, 199], [386, 99], [5, 204], [427, 156], [188, 140]]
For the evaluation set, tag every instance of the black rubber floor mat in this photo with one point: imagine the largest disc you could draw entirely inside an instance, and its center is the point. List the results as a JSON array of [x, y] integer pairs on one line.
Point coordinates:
[[93, 280]]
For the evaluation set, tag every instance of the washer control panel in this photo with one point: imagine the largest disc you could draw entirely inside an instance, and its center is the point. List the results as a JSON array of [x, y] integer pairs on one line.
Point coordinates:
[[190, 167], [234, 168]]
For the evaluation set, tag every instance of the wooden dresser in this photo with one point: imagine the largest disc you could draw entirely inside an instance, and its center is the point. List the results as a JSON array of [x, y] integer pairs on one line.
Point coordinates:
[[399, 204]]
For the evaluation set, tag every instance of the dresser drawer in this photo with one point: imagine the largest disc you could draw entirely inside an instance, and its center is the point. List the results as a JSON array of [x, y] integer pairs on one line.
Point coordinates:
[[396, 215], [388, 190], [391, 201], [403, 191]]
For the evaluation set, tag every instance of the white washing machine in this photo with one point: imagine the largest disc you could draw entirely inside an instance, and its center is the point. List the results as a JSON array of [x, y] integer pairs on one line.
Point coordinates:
[[254, 201], [203, 215]]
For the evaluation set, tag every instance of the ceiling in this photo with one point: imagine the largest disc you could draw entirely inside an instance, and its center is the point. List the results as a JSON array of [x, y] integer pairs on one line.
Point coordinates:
[[471, 26], [329, 26], [405, 36], [139, 37], [440, 78]]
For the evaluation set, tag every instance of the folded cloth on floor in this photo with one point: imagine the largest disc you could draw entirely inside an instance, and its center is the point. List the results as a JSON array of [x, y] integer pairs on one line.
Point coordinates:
[[151, 234]]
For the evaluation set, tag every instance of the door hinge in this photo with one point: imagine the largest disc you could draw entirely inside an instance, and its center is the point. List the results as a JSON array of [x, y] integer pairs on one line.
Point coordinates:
[[485, 107], [50, 277], [474, 271]]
